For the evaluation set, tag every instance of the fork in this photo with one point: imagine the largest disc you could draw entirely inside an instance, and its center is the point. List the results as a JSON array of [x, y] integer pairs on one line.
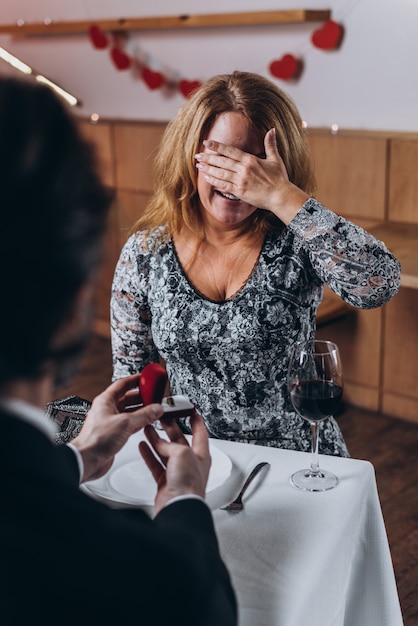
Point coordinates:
[[237, 504]]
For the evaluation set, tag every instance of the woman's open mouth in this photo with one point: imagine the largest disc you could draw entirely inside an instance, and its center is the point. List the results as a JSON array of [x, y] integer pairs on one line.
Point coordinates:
[[228, 196]]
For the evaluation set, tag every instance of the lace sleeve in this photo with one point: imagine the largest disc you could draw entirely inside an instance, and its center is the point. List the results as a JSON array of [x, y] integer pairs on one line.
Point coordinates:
[[354, 264], [130, 318]]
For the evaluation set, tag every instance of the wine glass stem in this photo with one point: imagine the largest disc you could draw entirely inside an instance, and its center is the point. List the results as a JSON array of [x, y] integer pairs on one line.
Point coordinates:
[[315, 444]]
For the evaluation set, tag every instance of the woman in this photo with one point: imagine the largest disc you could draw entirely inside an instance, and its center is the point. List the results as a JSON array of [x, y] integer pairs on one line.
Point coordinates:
[[226, 269]]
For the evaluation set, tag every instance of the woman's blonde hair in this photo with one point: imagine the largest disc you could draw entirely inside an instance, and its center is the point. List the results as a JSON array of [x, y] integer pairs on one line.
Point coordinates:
[[175, 201]]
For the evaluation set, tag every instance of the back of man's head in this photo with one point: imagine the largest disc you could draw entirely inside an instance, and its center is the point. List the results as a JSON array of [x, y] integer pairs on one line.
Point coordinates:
[[53, 214]]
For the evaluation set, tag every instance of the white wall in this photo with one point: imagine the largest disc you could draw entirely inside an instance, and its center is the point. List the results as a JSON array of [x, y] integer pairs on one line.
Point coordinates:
[[371, 82]]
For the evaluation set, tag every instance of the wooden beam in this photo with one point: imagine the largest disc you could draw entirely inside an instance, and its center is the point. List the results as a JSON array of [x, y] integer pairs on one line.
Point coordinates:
[[211, 20]]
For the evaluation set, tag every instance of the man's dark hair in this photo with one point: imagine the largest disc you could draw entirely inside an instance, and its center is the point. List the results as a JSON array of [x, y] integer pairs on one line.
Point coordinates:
[[53, 209]]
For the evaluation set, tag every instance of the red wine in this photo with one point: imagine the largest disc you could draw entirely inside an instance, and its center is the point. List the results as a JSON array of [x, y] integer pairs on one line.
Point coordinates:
[[316, 399]]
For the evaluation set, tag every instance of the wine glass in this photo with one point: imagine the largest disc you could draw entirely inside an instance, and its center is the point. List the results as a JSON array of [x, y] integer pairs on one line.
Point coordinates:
[[315, 384]]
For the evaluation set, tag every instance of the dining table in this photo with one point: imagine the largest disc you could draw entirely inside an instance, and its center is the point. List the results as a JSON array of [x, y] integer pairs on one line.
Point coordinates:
[[296, 558], [301, 558]]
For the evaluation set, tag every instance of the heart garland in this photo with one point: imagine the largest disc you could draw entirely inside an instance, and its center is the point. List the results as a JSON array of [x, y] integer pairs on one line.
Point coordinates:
[[153, 80], [97, 37], [120, 59], [328, 37], [286, 68], [188, 87]]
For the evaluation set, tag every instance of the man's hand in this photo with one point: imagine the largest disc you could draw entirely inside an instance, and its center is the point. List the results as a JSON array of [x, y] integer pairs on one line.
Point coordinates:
[[109, 424], [180, 469]]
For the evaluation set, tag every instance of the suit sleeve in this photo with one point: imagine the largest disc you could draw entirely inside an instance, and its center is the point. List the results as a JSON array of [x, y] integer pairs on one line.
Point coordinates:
[[210, 580]]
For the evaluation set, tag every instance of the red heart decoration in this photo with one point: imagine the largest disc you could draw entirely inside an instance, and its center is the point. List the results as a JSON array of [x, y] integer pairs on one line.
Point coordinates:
[[153, 80], [121, 60], [329, 36], [285, 68], [98, 37], [188, 87], [152, 383]]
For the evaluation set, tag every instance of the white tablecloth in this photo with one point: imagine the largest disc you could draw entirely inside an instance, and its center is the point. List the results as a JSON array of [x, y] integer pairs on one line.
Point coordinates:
[[307, 559]]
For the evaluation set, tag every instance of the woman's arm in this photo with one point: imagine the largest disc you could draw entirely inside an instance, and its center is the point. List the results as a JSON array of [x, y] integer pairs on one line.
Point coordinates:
[[130, 317], [354, 264]]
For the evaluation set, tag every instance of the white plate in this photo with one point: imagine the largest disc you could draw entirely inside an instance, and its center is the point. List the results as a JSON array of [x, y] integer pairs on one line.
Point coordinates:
[[129, 482]]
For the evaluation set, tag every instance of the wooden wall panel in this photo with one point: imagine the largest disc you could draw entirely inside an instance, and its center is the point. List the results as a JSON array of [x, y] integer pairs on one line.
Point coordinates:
[[351, 174], [403, 181], [104, 283], [135, 149], [101, 136], [356, 394], [400, 358], [130, 206], [358, 336], [400, 406]]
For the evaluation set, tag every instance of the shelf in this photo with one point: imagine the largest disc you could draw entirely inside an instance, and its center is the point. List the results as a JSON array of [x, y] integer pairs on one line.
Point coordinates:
[[211, 20], [402, 241]]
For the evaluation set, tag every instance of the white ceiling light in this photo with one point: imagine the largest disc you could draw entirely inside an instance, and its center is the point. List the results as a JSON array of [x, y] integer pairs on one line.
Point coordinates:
[[26, 69]]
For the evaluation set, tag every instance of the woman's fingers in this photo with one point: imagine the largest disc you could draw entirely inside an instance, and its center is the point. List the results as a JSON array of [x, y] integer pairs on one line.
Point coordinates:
[[223, 161], [229, 158], [270, 146], [232, 153]]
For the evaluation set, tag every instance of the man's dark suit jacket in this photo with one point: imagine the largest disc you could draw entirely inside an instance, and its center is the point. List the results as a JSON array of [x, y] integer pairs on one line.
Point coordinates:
[[67, 559]]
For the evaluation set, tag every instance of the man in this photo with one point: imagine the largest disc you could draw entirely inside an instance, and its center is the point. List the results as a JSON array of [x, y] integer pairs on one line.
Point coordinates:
[[64, 557]]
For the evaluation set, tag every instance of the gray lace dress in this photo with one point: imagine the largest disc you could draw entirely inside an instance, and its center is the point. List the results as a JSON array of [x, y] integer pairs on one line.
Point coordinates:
[[231, 357]]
